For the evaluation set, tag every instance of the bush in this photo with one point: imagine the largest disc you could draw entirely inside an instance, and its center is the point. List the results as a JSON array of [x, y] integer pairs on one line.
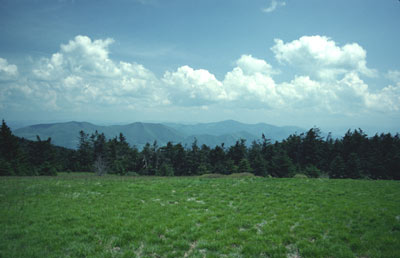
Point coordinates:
[[47, 169], [118, 168], [244, 166], [165, 170], [215, 175], [312, 171], [239, 175], [100, 166], [203, 169], [131, 173], [5, 168], [300, 176]]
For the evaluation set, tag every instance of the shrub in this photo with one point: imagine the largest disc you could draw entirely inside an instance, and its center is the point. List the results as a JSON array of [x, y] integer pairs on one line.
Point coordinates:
[[131, 173], [244, 166], [215, 175], [312, 171], [239, 175], [165, 170], [5, 168], [47, 169], [100, 166], [202, 169], [300, 176], [118, 168]]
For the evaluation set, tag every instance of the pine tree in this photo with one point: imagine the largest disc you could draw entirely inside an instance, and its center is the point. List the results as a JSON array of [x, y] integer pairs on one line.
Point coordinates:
[[337, 168], [8, 143], [244, 166], [85, 152]]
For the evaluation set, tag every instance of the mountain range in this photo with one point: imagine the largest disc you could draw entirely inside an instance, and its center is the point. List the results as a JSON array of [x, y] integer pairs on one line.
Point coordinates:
[[138, 134]]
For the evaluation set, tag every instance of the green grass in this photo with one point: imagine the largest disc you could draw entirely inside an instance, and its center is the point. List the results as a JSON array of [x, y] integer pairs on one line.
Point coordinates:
[[88, 216]]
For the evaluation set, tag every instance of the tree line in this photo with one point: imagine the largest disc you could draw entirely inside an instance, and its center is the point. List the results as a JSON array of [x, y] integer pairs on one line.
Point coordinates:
[[353, 156], [21, 157]]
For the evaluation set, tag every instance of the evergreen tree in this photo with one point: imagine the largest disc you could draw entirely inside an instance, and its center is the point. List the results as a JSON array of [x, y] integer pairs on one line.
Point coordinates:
[[281, 165], [337, 168], [193, 160], [312, 171], [5, 168], [218, 160], [8, 143], [238, 151], [258, 163], [244, 166], [353, 166], [293, 147], [166, 170], [14, 159], [311, 148], [85, 152]]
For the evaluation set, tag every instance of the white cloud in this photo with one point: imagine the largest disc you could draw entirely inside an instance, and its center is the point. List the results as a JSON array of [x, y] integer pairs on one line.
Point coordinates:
[[82, 76], [385, 100], [321, 57], [82, 73], [250, 83], [7, 71], [393, 75], [274, 4], [187, 86], [251, 65]]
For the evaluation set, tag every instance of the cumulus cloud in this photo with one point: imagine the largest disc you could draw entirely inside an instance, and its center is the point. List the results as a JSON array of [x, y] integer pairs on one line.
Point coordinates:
[[250, 83], [320, 56], [250, 65], [80, 56], [190, 87], [82, 74], [7, 71], [394, 76], [274, 4]]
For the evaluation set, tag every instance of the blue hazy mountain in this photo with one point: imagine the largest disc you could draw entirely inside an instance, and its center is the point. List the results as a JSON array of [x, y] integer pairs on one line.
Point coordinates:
[[138, 134]]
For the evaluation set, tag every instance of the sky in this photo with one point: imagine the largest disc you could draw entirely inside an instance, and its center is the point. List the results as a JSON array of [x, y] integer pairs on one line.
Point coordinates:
[[330, 64]]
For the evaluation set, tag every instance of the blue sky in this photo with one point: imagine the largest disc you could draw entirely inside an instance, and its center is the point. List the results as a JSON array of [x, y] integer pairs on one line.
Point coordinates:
[[332, 64]]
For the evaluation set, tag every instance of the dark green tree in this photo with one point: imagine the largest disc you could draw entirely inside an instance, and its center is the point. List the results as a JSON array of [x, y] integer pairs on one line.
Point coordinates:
[[238, 151], [85, 152], [258, 164], [244, 166], [8, 143], [217, 159], [281, 165], [337, 168]]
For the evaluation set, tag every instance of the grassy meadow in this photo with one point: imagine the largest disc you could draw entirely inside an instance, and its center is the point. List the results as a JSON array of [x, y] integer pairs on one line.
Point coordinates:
[[82, 215]]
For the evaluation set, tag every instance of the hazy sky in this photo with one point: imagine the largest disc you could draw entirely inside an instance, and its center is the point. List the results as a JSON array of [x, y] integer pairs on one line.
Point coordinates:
[[333, 64]]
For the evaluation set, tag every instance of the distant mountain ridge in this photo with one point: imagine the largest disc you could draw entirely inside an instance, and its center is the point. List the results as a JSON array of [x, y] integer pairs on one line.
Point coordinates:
[[138, 134], [232, 127]]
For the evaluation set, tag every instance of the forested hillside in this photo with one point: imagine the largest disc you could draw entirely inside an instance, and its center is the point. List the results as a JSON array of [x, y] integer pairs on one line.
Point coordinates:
[[138, 134], [353, 156], [66, 134], [21, 157]]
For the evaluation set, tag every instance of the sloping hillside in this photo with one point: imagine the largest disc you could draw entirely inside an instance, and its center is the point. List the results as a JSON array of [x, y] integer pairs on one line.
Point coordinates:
[[66, 134], [231, 127], [138, 134]]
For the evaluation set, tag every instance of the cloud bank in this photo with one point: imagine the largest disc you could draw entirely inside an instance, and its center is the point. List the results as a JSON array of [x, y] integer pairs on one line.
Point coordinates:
[[82, 76]]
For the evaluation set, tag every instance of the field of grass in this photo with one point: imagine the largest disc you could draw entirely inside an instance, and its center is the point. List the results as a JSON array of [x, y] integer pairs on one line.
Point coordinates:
[[82, 215]]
